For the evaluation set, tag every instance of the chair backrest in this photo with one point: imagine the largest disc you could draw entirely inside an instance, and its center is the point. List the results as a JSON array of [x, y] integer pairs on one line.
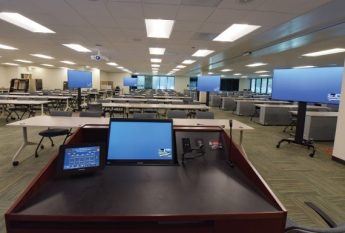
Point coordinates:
[[204, 115], [61, 113], [91, 114], [104, 101], [146, 115], [95, 107], [176, 114]]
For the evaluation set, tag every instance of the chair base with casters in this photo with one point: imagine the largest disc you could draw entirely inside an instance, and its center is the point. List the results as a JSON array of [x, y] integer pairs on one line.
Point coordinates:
[[308, 143], [49, 133]]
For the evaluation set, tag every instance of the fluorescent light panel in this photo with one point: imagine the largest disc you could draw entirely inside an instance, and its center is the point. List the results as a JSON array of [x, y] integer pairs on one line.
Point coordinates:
[[159, 28], [7, 47], [156, 60], [10, 64], [48, 65], [261, 71], [202, 53], [256, 64], [226, 70], [324, 52], [112, 64], [155, 65], [68, 62], [210, 73], [180, 66], [303, 67], [187, 62], [235, 31], [237, 74], [24, 61], [24, 22], [265, 75], [157, 51], [78, 48], [42, 56]]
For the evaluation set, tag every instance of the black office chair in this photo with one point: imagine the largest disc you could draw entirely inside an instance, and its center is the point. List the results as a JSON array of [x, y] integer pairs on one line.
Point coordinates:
[[54, 132], [91, 114], [291, 227], [204, 115], [176, 114], [145, 115]]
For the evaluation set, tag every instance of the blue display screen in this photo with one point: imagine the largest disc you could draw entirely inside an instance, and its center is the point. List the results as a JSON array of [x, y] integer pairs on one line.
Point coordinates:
[[131, 82], [140, 140], [315, 85], [81, 157], [208, 83], [79, 79]]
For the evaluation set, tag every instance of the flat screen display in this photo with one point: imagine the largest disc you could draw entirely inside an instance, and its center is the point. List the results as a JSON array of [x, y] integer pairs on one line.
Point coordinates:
[[79, 79], [141, 141], [130, 82], [81, 157], [208, 83], [315, 85]]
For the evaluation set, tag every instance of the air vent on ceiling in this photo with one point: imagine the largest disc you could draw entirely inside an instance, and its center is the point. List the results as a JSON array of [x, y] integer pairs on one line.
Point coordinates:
[[204, 36], [245, 1], [209, 3]]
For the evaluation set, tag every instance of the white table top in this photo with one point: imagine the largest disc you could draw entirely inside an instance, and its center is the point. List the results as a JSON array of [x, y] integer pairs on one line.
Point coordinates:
[[262, 101], [37, 97], [289, 106], [318, 114], [157, 106], [144, 100], [29, 102], [155, 96], [73, 122]]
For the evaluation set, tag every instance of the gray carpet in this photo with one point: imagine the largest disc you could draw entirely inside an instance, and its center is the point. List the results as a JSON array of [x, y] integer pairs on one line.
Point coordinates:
[[290, 172]]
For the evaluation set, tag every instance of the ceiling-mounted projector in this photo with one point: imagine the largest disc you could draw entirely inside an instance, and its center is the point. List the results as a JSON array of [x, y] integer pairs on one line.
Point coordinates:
[[99, 57]]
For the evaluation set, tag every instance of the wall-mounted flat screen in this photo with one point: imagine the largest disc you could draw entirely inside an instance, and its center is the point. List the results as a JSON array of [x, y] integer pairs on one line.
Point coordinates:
[[208, 83], [130, 82], [315, 85], [79, 79], [228, 84], [141, 142]]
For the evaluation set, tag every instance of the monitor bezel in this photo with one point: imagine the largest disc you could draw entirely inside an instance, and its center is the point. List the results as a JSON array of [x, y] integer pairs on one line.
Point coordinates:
[[78, 171], [172, 161]]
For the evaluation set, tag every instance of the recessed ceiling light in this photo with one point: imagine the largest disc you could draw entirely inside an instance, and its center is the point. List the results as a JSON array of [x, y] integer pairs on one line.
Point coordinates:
[[155, 68], [202, 53], [256, 64], [120, 67], [175, 69], [156, 60], [210, 73], [261, 71], [68, 62], [324, 52], [48, 65], [244, 76], [187, 62], [155, 65], [237, 74], [10, 64], [235, 31], [265, 75], [42, 56], [78, 48], [3, 46], [157, 51], [24, 61], [303, 67], [226, 70], [112, 64], [24, 22], [180, 66], [159, 28]]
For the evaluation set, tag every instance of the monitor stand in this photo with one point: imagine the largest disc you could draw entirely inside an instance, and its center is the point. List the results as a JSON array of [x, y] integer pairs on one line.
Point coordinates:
[[79, 99], [302, 108]]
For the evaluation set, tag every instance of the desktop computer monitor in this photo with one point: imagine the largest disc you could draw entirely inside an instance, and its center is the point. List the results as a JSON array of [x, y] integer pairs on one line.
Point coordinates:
[[133, 141]]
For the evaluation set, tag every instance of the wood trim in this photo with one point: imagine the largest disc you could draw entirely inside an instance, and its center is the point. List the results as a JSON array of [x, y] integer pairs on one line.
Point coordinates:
[[338, 160]]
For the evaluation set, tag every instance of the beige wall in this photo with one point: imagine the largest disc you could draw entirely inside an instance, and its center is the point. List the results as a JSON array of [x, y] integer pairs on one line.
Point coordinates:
[[181, 83], [339, 148], [244, 83]]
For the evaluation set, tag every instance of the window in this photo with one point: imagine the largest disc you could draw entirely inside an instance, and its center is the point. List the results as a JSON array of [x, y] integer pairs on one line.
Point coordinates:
[[269, 86], [171, 83], [258, 85], [192, 83], [252, 85], [163, 81], [141, 82], [263, 86], [155, 82]]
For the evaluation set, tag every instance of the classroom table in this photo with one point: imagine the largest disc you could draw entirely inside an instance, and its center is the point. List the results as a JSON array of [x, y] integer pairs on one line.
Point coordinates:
[[146, 100], [155, 96], [4, 102], [76, 122], [247, 107]]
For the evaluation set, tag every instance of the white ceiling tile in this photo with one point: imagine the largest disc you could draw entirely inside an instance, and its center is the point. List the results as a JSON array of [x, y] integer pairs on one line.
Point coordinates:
[[187, 25], [194, 13], [213, 27], [125, 10], [169, 2], [291, 6], [160, 11], [235, 4], [228, 16]]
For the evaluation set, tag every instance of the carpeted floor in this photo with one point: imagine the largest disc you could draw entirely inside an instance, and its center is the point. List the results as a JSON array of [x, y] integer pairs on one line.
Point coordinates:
[[290, 172]]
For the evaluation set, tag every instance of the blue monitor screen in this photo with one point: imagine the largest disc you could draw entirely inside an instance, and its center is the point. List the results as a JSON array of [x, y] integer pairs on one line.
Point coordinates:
[[79, 79], [131, 140], [131, 82], [81, 157], [315, 85], [208, 83]]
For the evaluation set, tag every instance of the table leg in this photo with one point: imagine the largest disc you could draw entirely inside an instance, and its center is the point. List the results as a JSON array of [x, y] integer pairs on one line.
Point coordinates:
[[25, 143], [67, 105], [241, 137], [42, 110]]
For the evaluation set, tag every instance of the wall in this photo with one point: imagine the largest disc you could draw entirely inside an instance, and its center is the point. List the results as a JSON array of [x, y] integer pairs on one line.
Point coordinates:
[[339, 148], [181, 83], [116, 78], [244, 84], [51, 78]]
